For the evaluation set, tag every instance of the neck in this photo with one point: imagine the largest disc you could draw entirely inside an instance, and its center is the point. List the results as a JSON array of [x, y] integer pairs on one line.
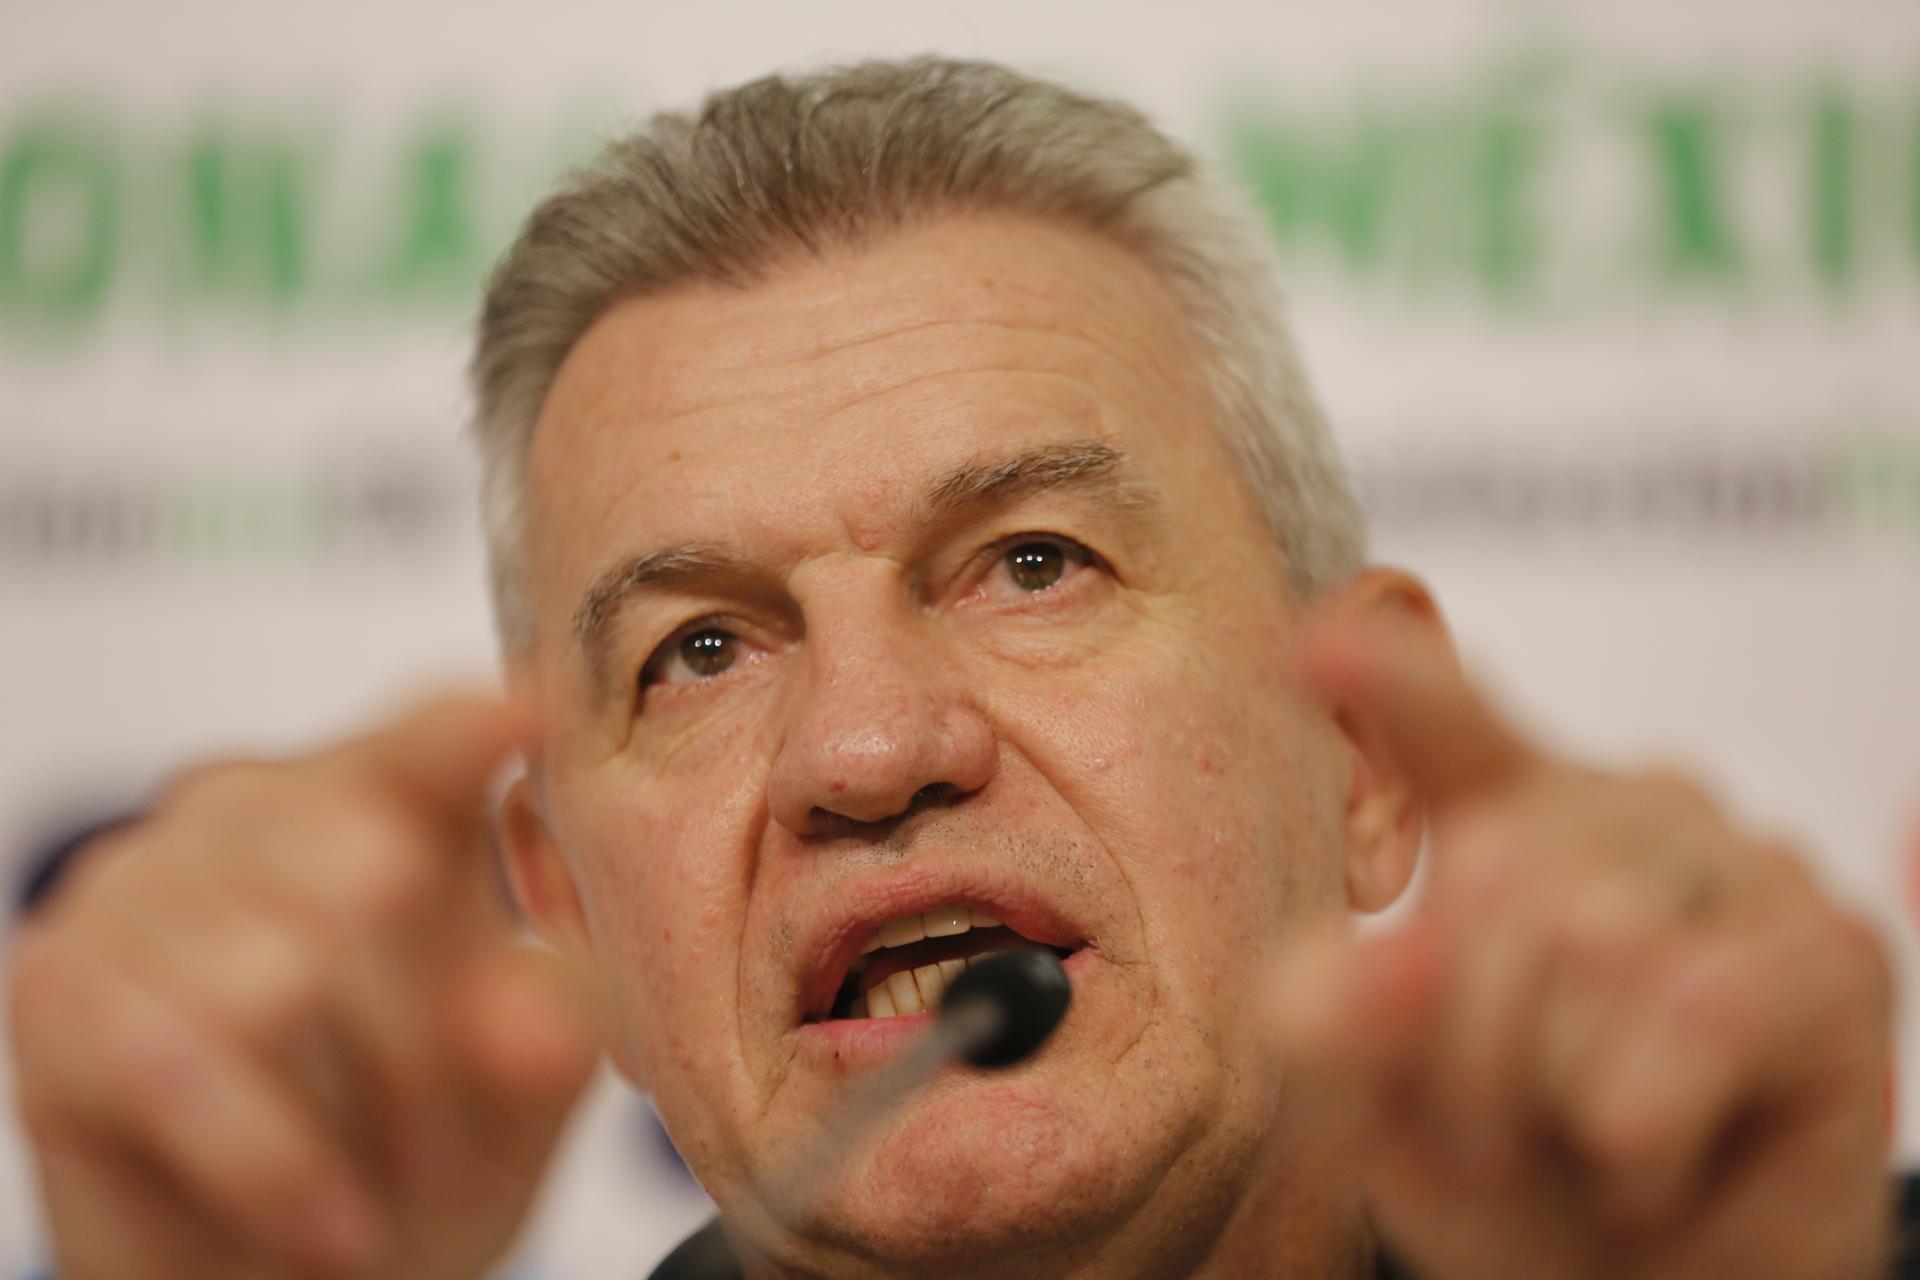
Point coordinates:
[[1298, 1220]]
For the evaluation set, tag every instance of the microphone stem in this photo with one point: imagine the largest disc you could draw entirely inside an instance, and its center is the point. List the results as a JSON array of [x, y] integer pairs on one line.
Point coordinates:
[[958, 1029]]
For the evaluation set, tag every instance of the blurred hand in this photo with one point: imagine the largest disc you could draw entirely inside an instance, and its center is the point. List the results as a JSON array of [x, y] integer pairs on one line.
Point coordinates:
[[283, 1025], [1618, 1039]]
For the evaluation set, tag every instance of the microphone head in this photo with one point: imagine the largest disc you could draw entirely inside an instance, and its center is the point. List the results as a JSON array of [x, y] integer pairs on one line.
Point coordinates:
[[1031, 992]]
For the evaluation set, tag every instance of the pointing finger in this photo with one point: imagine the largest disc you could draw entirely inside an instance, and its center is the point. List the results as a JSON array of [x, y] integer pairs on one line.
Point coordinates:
[[1400, 678], [441, 758], [1355, 1008]]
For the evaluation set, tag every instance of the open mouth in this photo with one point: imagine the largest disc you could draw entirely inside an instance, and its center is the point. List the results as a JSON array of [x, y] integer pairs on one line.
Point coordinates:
[[906, 964]]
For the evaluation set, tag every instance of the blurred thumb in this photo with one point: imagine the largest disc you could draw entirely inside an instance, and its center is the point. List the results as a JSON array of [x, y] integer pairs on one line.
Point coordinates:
[[442, 756], [1340, 1004], [527, 1026]]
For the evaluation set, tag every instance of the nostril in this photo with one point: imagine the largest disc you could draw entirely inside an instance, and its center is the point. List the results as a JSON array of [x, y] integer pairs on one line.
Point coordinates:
[[825, 821]]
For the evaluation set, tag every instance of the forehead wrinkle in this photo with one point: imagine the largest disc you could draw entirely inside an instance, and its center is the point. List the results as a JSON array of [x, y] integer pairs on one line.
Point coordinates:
[[752, 378], [1084, 346]]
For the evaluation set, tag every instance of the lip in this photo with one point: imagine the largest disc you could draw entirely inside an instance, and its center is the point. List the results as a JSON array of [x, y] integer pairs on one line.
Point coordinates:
[[829, 947]]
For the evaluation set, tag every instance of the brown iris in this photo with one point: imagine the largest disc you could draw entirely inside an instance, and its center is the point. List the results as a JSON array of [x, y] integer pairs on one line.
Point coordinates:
[[1035, 566], [709, 652]]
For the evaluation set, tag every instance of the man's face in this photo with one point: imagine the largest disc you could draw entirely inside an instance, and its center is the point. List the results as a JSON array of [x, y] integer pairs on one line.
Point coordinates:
[[914, 580]]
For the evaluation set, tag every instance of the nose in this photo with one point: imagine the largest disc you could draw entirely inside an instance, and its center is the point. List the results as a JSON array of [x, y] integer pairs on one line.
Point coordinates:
[[879, 723]]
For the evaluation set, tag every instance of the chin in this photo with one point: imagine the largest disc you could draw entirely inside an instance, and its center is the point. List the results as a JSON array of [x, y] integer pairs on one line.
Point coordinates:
[[983, 1169]]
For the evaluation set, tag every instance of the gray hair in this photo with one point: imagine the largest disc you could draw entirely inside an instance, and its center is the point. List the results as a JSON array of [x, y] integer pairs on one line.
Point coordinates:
[[802, 164]]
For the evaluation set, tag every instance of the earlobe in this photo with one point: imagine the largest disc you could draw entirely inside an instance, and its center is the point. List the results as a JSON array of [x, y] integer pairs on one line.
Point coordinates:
[[542, 882]]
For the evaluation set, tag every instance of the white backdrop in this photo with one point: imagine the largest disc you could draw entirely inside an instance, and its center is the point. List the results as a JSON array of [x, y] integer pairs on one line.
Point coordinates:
[[1617, 308]]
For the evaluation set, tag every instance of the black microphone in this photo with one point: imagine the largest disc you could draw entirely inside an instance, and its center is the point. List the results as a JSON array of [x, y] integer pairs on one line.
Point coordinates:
[[997, 1013], [1028, 993]]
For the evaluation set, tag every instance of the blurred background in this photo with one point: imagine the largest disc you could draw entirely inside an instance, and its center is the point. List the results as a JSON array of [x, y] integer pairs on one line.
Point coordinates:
[[1615, 306]]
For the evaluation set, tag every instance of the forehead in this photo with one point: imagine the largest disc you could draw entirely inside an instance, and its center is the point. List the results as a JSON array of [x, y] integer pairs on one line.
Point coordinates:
[[810, 406]]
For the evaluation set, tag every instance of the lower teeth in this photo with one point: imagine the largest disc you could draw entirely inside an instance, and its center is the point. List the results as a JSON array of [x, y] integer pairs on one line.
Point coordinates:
[[908, 991], [917, 990]]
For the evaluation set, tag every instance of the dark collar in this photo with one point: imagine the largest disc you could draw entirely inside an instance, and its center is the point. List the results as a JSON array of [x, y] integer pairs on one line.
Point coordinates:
[[706, 1255]]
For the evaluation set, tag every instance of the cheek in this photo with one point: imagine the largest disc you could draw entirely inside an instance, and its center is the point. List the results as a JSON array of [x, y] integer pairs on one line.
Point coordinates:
[[1203, 772], [1268, 770], [664, 861]]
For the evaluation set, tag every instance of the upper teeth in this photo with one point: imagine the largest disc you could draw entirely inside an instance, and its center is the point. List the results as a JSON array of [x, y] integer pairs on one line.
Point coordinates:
[[942, 922]]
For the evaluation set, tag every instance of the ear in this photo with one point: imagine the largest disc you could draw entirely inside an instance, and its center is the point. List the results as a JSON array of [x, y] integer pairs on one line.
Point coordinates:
[[1385, 820], [542, 882]]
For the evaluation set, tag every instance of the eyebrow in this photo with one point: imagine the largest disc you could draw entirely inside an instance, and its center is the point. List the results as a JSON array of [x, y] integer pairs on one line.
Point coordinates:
[[1093, 467]]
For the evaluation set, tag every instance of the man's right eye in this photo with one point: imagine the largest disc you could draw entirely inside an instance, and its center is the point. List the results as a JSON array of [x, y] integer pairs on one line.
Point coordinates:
[[691, 657]]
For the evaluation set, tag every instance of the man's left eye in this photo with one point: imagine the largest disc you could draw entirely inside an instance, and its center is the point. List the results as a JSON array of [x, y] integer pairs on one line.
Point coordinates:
[[1040, 564]]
